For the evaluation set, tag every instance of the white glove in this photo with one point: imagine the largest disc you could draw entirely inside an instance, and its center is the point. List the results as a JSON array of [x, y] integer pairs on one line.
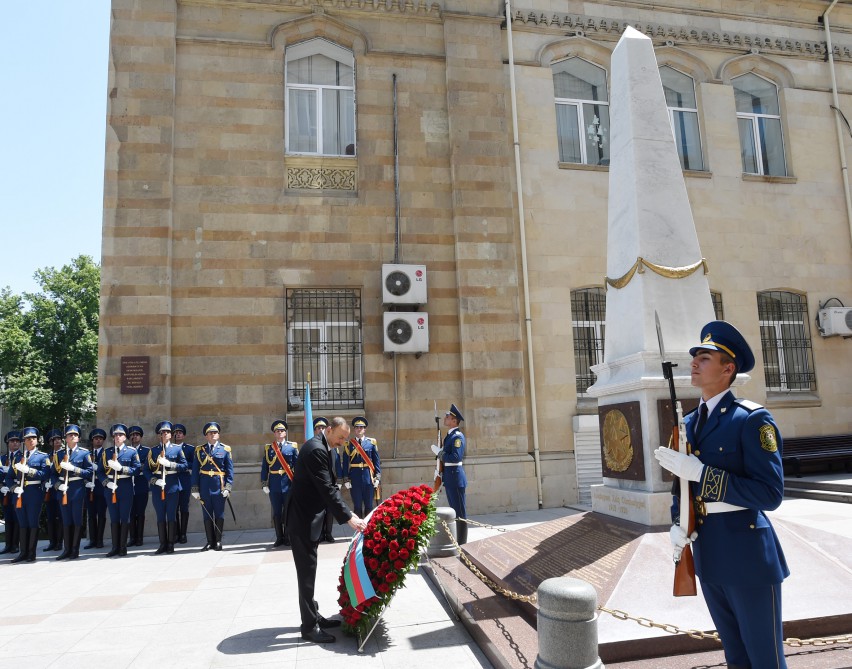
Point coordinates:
[[196, 495], [168, 464], [115, 465], [67, 466], [436, 450], [679, 540], [348, 485], [339, 486], [24, 469], [4, 490], [265, 489], [437, 474], [226, 493], [160, 482], [18, 490], [62, 487], [90, 485], [680, 464], [112, 485], [376, 483]]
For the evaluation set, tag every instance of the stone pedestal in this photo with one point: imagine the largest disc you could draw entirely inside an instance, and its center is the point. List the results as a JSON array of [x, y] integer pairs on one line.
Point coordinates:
[[567, 625], [440, 544]]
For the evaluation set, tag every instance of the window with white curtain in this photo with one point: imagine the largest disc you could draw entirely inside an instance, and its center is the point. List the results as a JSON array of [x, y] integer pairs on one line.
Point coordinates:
[[582, 112], [683, 114], [759, 121], [319, 99]]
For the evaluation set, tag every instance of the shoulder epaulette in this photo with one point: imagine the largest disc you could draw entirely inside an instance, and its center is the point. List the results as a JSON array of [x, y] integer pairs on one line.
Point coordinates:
[[226, 447], [293, 444], [748, 405], [373, 441]]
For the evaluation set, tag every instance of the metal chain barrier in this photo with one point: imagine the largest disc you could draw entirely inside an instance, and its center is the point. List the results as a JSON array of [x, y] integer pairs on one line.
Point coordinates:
[[621, 615], [473, 522]]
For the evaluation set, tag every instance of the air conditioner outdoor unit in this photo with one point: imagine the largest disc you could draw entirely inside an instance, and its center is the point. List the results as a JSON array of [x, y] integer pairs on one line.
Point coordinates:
[[406, 332], [403, 284], [836, 321]]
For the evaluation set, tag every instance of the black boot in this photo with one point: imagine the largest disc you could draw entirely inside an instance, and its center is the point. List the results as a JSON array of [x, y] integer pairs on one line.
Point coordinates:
[[100, 534], [92, 527], [140, 528], [115, 531], [51, 533], [171, 536], [125, 530], [210, 531], [33, 543], [279, 532], [132, 530], [183, 522], [16, 538], [25, 541], [76, 536], [220, 526], [461, 532], [161, 531], [66, 541]]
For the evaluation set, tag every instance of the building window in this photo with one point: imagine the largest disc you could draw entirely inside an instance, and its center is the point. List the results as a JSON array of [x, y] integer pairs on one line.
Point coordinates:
[[785, 338], [759, 121], [319, 99], [324, 341], [718, 311], [588, 312], [582, 112], [683, 114]]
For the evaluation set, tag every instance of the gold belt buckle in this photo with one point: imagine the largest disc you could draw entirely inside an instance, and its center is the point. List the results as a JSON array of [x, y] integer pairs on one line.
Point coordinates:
[[700, 508]]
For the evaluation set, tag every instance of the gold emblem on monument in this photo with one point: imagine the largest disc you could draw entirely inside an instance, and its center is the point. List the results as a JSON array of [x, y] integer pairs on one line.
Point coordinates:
[[617, 448]]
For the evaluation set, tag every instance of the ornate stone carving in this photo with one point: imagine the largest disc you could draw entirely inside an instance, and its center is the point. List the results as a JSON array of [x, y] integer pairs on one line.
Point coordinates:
[[326, 178]]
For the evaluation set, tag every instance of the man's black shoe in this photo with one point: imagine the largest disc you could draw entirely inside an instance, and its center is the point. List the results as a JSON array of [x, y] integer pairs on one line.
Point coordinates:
[[316, 635], [328, 623], [328, 538]]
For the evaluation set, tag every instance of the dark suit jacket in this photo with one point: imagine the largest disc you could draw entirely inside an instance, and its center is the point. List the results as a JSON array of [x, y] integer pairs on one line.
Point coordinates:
[[314, 491]]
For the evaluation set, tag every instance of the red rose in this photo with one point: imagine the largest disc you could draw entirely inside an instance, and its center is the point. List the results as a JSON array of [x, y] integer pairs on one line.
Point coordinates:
[[399, 565], [410, 544], [377, 536], [404, 533], [404, 554], [384, 587], [416, 507], [392, 531], [392, 554], [377, 550], [391, 577], [374, 563]]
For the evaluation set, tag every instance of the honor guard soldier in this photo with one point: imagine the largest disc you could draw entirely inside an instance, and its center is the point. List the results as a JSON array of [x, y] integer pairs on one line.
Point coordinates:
[[7, 459], [30, 471], [454, 478], [276, 475], [140, 489], [736, 476], [362, 467], [95, 502], [72, 467], [165, 462], [52, 514], [185, 478], [212, 478], [320, 423], [116, 469]]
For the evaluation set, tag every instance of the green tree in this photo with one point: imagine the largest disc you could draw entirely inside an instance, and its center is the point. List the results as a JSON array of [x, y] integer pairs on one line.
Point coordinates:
[[49, 346]]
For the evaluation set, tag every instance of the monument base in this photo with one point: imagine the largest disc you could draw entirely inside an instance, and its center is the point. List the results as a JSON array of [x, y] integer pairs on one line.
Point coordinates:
[[637, 506]]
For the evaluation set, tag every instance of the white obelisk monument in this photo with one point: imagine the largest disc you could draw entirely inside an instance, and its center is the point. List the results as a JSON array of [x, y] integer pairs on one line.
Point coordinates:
[[654, 263]]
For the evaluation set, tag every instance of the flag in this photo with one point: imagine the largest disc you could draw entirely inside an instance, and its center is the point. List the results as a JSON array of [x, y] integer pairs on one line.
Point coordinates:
[[309, 414], [355, 573]]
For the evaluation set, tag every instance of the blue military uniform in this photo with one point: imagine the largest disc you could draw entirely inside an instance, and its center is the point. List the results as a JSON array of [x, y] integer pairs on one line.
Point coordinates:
[[27, 487], [276, 475], [140, 493], [212, 478], [185, 478], [454, 478], [95, 502], [119, 488], [72, 466], [364, 478], [12, 439], [52, 512], [738, 557], [164, 481]]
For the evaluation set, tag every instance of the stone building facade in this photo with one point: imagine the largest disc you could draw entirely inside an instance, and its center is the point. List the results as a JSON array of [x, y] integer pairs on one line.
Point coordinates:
[[251, 167]]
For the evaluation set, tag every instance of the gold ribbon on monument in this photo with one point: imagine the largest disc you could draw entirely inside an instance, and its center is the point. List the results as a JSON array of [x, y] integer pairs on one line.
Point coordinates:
[[667, 272]]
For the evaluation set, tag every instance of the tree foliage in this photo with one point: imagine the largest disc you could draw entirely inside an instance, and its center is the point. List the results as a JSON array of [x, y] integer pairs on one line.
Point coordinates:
[[49, 346]]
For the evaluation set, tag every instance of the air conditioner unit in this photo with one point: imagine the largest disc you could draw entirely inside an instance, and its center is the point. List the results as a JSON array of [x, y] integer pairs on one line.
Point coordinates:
[[403, 284], [836, 321], [406, 332]]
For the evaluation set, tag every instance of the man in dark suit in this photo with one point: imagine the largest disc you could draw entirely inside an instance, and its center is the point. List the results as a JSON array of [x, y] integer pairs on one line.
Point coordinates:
[[313, 494]]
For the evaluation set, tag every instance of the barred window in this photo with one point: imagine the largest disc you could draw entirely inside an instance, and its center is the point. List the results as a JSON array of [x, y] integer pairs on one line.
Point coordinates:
[[785, 337], [324, 340], [588, 310], [718, 311]]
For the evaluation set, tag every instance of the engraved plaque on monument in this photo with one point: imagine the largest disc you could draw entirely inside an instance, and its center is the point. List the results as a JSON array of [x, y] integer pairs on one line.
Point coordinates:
[[135, 371], [621, 441]]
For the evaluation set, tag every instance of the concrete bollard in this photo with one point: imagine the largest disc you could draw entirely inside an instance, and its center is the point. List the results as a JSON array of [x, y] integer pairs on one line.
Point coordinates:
[[567, 625], [440, 544]]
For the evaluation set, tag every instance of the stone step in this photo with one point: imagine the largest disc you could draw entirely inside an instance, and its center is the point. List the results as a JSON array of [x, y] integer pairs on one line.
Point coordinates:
[[817, 485], [822, 495]]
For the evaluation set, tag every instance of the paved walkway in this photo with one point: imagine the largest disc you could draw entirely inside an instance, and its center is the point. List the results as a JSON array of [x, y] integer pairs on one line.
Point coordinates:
[[238, 607]]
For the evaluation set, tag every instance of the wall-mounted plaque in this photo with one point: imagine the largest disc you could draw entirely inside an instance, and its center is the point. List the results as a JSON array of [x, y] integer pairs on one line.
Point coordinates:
[[621, 441], [135, 372]]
